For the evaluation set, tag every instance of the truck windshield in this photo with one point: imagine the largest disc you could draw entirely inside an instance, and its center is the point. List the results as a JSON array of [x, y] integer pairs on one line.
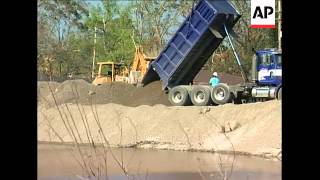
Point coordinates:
[[278, 60], [265, 59]]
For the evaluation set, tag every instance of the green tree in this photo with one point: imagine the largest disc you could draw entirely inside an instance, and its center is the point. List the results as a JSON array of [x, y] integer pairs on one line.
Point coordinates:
[[56, 18], [157, 20], [114, 28]]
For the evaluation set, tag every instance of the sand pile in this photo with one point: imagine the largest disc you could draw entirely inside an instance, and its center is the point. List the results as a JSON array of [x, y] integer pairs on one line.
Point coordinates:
[[72, 91], [44, 88], [251, 128]]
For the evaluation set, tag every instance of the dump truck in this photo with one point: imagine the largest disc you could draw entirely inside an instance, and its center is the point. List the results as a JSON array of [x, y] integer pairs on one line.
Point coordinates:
[[209, 22]]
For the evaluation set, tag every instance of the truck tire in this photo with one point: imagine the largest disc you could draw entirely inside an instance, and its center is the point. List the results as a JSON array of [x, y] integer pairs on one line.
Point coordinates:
[[200, 96], [220, 94], [139, 84], [279, 95], [179, 96], [237, 101]]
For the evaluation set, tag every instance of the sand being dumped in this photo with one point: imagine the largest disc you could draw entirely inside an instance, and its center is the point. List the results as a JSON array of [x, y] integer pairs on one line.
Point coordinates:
[[80, 91], [249, 128]]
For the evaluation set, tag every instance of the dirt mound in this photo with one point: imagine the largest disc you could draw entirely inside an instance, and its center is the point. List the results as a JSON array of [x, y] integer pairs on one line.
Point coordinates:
[[149, 95], [251, 128], [129, 95], [72, 91], [44, 88], [67, 92], [204, 76]]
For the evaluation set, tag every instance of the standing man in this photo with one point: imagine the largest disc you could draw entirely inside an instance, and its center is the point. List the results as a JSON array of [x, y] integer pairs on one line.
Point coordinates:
[[214, 80]]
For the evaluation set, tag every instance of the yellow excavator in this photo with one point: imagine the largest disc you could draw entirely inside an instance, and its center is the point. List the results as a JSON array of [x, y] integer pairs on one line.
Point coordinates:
[[139, 66], [109, 72]]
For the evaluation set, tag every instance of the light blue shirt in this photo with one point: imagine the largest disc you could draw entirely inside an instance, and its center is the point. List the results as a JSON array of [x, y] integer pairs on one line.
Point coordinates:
[[214, 81]]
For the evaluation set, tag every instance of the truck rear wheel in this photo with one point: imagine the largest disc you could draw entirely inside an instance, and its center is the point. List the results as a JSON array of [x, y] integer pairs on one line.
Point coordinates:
[[220, 94], [200, 96], [179, 96], [279, 96]]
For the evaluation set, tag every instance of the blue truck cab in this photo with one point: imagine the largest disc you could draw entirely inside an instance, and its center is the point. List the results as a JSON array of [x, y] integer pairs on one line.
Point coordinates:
[[269, 67]]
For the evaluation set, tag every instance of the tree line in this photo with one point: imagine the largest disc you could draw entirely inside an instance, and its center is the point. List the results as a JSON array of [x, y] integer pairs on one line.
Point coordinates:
[[71, 34]]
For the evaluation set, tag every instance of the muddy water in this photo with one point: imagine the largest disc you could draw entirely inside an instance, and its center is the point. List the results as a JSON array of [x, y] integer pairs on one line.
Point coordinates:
[[62, 162]]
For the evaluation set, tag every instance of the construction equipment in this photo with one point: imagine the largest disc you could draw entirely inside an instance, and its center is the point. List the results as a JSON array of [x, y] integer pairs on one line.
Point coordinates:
[[192, 45], [139, 66], [109, 72]]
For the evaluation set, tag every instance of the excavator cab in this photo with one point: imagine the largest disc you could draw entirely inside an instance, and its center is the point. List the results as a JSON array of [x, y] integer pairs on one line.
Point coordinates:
[[110, 72]]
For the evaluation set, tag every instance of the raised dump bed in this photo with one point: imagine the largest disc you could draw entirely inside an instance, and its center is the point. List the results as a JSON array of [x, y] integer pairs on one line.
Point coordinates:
[[193, 43]]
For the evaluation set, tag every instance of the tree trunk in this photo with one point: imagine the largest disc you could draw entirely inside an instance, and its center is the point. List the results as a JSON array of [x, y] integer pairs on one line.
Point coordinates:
[[279, 25], [60, 69], [50, 72], [94, 51]]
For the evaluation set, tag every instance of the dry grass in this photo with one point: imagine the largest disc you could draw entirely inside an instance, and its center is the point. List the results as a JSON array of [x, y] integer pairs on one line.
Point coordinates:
[[224, 172], [92, 167]]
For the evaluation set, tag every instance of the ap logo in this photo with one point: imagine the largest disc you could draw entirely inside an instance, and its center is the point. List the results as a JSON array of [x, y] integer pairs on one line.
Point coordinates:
[[263, 14]]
